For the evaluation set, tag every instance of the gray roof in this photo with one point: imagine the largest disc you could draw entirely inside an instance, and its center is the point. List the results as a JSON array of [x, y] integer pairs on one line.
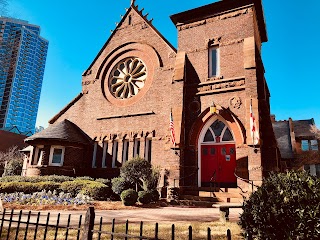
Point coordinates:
[[62, 131], [282, 132], [302, 128]]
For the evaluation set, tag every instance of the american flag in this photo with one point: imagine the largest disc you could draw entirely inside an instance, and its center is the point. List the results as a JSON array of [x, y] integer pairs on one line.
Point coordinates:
[[253, 127], [173, 139]]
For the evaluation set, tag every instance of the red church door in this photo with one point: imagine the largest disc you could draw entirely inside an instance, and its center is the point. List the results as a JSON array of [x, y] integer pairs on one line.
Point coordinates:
[[218, 163]]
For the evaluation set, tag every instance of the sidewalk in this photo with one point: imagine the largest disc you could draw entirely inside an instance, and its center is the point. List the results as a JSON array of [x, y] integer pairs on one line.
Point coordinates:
[[152, 215]]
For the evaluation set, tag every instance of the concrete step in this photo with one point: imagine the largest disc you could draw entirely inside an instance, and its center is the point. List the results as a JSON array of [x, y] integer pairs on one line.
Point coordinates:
[[198, 198], [195, 203]]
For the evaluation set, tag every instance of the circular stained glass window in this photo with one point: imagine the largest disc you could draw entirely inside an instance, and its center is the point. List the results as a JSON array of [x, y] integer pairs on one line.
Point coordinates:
[[127, 78]]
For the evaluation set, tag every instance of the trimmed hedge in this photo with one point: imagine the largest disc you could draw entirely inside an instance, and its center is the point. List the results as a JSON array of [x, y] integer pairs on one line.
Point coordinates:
[[144, 197], [129, 197], [95, 189], [52, 178], [98, 191], [28, 187]]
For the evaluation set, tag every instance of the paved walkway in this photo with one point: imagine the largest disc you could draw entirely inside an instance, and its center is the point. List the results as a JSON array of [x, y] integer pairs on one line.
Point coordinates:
[[161, 214]]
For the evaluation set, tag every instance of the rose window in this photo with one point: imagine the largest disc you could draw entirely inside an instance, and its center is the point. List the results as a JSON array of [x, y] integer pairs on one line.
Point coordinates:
[[127, 78]]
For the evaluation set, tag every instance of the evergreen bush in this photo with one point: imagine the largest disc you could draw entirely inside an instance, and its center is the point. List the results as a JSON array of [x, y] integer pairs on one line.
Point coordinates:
[[286, 206], [97, 190], [120, 184], [129, 197], [154, 195], [144, 197]]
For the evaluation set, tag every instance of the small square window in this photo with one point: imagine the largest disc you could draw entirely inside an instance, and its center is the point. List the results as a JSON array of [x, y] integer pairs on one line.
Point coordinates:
[[56, 156], [314, 145], [305, 145]]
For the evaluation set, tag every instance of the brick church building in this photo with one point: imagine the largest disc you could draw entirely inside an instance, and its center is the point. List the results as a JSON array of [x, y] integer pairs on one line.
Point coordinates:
[[209, 84]]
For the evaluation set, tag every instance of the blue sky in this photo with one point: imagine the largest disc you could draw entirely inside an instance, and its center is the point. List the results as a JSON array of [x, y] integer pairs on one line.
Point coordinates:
[[77, 29]]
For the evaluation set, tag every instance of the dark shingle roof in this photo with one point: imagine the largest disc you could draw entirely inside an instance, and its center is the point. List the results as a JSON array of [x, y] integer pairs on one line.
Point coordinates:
[[302, 128], [282, 132], [63, 131]]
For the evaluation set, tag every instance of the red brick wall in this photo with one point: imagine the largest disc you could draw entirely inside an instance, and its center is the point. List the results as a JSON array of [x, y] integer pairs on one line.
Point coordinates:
[[161, 96]]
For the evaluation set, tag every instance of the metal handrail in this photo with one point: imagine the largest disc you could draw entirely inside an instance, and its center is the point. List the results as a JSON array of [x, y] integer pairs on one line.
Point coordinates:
[[246, 180], [213, 176]]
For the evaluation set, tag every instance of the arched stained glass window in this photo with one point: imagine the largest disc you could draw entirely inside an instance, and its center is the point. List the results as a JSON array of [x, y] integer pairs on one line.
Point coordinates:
[[217, 127], [218, 130], [208, 137], [227, 136]]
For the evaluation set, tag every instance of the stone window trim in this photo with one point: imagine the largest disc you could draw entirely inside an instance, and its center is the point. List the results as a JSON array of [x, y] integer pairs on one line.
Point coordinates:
[[149, 58], [127, 78], [38, 154], [52, 148]]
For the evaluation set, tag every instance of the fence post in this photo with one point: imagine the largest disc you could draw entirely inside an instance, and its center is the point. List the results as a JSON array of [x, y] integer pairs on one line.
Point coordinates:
[[88, 224], [228, 234]]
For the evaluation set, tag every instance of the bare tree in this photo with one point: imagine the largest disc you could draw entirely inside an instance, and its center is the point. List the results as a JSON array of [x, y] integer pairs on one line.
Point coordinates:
[[11, 161]]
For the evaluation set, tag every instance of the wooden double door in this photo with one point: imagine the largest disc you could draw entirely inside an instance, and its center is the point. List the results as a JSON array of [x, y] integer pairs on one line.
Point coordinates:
[[218, 164]]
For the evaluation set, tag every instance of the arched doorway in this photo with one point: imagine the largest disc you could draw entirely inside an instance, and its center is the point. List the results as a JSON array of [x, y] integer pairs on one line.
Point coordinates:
[[217, 155]]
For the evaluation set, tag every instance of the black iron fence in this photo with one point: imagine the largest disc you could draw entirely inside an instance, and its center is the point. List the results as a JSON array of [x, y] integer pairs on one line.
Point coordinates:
[[20, 225]]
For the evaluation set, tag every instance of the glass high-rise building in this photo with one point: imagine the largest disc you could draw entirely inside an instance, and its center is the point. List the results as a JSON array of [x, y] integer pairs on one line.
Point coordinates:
[[23, 55]]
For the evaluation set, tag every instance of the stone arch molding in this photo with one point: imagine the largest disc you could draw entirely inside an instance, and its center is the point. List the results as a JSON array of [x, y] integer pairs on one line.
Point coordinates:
[[224, 115], [148, 56]]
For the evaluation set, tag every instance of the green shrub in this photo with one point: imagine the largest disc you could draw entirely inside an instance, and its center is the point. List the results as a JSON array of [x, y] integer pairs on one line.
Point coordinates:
[[135, 170], [129, 197], [12, 187], [85, 178], [28, 187], [97, 190], [154, 195], [286, 206], [52, 178], [119, 184], [151, 182], [56, 178], [47, 186], [74, 187], [104, 181], [144, 197]]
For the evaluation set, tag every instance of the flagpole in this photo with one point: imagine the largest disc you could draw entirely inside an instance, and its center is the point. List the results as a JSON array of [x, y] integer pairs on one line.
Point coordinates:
[[254, 146]]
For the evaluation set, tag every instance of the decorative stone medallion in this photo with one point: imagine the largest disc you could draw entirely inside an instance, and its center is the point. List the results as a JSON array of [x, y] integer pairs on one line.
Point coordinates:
[[235, 102], [127, 78]]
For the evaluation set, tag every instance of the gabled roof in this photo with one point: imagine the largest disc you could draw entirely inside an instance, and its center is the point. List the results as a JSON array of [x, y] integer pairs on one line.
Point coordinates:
[[62, 111], [302, 128], [282, 133], [219, 7], [132, 8], [65, 131]]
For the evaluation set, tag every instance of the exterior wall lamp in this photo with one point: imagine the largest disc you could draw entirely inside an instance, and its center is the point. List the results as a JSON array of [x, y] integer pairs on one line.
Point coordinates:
[[213, 108]]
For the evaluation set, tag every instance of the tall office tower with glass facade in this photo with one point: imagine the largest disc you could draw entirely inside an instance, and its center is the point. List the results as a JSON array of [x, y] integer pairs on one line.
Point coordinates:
[[23, 55]]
